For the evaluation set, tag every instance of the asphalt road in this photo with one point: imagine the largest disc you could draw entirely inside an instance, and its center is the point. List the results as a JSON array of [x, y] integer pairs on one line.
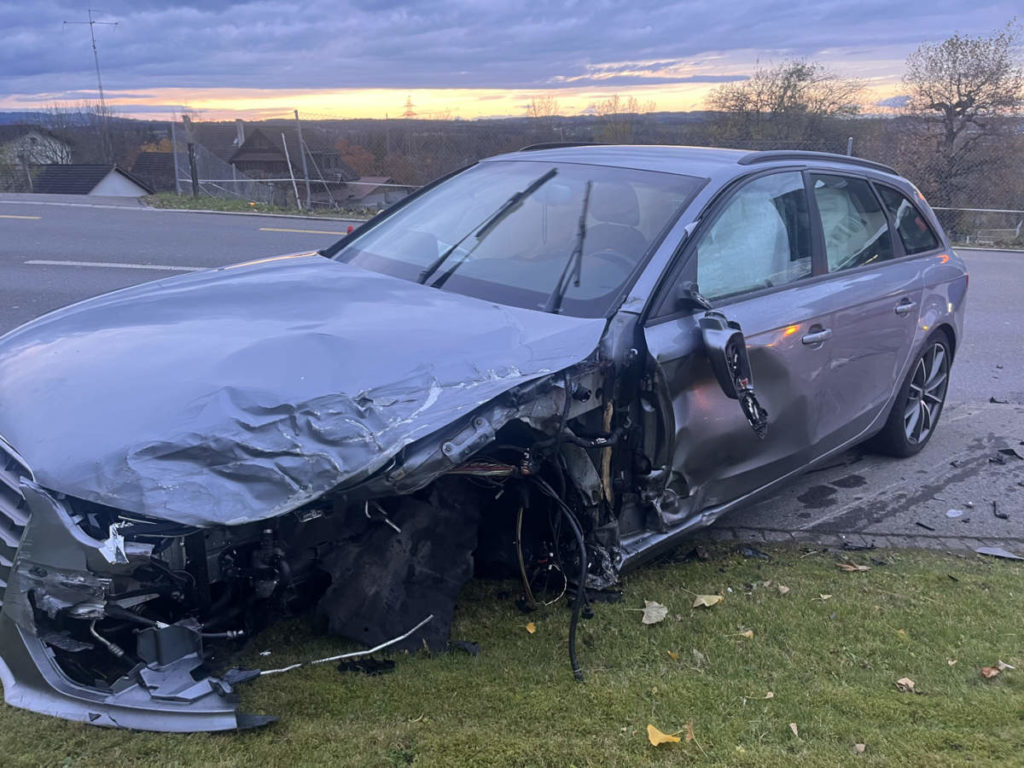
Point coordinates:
[[53, 253], [59, 252]]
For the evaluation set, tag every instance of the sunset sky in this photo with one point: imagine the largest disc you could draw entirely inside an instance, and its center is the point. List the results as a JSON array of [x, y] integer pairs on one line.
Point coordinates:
[[463, 58]]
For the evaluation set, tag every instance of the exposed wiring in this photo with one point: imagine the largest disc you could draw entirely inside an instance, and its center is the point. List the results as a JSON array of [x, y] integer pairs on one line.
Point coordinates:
[[352, 655], [530, 599], [581, 582]]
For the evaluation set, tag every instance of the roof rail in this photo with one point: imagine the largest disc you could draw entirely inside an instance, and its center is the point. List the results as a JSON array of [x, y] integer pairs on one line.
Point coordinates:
[[557, 145], [772, 155]]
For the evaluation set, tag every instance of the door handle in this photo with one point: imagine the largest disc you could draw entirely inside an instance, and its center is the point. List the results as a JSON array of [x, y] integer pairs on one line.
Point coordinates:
[[905, 306], [818, 336]]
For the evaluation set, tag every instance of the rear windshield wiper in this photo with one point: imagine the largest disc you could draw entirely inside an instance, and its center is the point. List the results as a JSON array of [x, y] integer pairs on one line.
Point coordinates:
[[506, 209], [574, 266]]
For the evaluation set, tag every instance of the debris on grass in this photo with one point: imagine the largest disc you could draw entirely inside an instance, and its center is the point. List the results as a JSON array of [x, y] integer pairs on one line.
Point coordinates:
[[998, 552], [747, 633], [783, 590], [672, 655], [653, 612], [531, 627], [852, 567], [989, 672], [748, 551], [657, 737], [905, 685], [794, 729], [706, 601], [859, 748]]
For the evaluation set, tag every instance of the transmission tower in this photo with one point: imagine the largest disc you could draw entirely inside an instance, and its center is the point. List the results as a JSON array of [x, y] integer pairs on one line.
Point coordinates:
[[99, 79], [409, 111]]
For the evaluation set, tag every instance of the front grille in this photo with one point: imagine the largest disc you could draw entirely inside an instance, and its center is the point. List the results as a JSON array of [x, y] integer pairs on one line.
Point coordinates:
[[13, 511]]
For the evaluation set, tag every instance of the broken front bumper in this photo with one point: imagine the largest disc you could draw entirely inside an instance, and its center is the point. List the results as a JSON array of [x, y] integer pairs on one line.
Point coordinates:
[[52, 570]]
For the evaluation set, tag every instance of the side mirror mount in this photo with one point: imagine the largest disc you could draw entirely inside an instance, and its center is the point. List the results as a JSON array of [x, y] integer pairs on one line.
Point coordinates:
[[688, 297], [727, 350]]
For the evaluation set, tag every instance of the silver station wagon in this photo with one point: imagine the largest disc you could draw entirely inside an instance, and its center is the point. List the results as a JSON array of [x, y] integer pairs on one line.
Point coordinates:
[[550, 366]]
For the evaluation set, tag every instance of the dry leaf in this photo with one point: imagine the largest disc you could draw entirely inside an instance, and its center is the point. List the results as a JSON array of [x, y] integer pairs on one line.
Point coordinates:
[[905, 685], [747, 633], [531, 627], [769, 695], [902, 633], [852, 568], [783, 590], [673, 656], [859, 748], [794, 729], [689, 731], [990, 672], [656, 737], [653, 612], [707, 600]]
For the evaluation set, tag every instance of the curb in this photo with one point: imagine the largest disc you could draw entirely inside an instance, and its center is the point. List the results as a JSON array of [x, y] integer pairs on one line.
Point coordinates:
[[856, 539]]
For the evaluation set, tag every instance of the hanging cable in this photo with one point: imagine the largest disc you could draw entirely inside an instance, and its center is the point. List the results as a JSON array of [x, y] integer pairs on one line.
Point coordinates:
[[581, 581]]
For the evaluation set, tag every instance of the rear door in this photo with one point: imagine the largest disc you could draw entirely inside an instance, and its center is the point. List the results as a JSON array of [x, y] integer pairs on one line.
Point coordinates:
[[875, 309], [752, 262]]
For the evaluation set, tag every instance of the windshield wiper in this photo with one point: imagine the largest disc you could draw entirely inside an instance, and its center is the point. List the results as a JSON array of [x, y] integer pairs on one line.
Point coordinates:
[[574, 266], [507, 208]]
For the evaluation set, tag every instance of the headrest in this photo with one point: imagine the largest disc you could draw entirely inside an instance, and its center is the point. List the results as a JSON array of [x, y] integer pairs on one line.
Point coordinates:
[[614, 202]]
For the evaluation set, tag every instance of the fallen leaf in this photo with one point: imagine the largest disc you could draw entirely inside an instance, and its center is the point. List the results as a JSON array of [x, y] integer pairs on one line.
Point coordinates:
[[990, 672], [794, 729], [905, 685], [783, 590], [689, 731], [653, 612], [902, 633], [769, 695], [747, 633], [673, 656], [656, 737], [852, 567], [531, 627], [707, 600], [859, 748]]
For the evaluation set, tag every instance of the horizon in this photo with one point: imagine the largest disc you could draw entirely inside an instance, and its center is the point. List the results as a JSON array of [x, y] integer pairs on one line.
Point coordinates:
[[223, 59]]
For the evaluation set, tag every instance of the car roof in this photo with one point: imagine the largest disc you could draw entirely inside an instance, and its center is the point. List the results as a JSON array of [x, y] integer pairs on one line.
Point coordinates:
[[710, 162]]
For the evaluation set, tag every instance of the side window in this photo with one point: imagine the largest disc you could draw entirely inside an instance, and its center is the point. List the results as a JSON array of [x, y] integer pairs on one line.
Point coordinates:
[[761, 239], [855, 227], [914, 231]]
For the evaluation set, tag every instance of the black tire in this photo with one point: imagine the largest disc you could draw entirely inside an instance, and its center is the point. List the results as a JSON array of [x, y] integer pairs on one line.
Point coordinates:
[[919, 403]]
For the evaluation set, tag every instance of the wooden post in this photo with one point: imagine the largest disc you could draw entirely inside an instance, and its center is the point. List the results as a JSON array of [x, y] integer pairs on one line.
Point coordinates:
[[288, 160], [190, 145]]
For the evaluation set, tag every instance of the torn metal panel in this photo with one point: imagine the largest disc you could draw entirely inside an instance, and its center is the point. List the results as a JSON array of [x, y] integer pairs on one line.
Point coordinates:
[[236, 395]]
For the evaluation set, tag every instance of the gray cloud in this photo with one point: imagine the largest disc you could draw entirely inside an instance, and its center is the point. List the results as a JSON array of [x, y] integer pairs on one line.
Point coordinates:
[[278, 44]]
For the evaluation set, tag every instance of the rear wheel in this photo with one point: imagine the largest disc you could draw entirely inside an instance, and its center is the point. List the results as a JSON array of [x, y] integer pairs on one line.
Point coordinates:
[[915, 414]]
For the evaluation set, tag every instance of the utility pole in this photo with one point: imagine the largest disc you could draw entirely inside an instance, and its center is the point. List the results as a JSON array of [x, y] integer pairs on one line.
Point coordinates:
[[302, 152], [107, 148], [174, 155], [191, 146]]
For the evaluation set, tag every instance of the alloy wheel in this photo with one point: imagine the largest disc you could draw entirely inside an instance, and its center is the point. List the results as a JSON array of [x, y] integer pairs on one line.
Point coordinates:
[[927, 393]]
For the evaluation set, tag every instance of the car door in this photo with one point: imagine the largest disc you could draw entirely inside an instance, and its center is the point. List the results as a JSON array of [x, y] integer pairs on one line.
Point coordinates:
[[752, 260], [875, 310]]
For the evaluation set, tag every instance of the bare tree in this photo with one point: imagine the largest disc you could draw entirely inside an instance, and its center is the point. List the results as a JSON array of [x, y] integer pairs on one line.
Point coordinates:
[[963, 89], [542, 107], [618, 117], [788, 101]]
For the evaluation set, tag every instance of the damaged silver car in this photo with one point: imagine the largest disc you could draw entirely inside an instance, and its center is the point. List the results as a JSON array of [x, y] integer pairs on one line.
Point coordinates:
[[541, 367]]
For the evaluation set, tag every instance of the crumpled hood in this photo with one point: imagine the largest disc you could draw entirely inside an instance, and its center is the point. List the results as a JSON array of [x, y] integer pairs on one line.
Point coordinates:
[[237, 394]]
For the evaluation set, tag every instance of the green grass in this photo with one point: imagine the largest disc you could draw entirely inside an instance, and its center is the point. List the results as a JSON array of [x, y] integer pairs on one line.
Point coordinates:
[[189, 203], [831, 665]]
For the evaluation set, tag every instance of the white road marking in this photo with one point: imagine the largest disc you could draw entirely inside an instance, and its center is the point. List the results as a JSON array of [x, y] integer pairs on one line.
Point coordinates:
[[12, 216], [305, 231], [113, 265]]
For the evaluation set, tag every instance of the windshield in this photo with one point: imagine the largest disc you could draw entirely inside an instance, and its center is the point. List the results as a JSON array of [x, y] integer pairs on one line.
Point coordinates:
[[512, 231]]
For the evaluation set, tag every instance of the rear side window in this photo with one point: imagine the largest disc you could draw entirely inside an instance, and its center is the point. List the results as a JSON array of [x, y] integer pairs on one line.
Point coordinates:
[[761, 239], [914, 231], [856, 229]]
